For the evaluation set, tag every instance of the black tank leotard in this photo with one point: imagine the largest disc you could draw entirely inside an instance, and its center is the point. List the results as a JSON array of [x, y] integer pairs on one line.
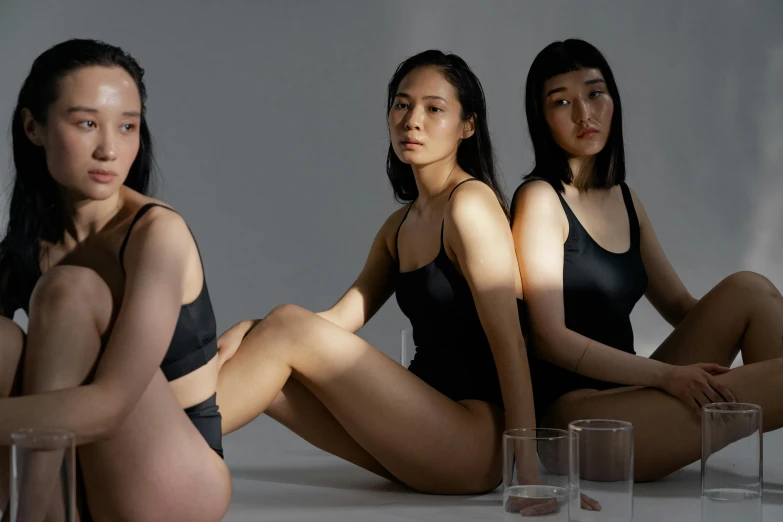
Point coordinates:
[[452, 352], [600, 289]]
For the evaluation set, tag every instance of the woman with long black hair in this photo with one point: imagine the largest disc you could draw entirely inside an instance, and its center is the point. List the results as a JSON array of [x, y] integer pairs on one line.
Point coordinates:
[[587, 252], [449, 257], [121, 346]]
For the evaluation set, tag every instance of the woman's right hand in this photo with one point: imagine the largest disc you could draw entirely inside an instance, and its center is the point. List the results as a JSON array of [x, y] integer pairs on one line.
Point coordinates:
[[229, 342], [695, 385]]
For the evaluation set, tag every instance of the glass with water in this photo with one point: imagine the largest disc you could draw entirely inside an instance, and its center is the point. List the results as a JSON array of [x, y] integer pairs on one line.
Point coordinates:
[[535, 475], [43, 476], [731, 462]]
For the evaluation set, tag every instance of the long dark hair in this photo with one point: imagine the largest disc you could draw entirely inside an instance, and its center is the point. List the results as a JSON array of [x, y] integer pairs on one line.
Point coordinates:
[[475, 155], [551, 161], [36, 211]]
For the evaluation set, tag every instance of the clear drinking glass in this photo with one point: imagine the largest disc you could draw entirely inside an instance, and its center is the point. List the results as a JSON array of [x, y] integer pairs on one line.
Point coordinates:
[[43, 476], [535, 474], [601, 460], [731, 462], [407, 348]]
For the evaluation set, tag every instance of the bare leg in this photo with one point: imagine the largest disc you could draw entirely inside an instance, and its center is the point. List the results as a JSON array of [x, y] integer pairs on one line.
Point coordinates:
[[667, 433], [64, 305], [296, 408], [157, 466], [743, 312], [11, 346], [423, 438]]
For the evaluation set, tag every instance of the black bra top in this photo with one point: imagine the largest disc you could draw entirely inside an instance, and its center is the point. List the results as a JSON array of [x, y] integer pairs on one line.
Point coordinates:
[[452, 351], [194, 342]]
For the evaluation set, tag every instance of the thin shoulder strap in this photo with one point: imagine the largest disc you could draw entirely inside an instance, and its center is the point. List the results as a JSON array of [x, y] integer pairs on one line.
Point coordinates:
[[143, 210], [460, 183], [633, 219], [443, 223], [397, 236]]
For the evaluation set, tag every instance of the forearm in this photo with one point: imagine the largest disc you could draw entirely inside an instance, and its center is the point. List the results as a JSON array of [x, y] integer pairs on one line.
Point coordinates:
[[83, 410], [686, 304], [518, 401], [516, 388], [599, 361], [341, 320], [331, 316]]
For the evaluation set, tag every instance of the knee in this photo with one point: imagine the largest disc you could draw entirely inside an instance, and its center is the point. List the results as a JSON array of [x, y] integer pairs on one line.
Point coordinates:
[[286, 312], [751, 283], [65, 287], [284, 324], [285, 316]]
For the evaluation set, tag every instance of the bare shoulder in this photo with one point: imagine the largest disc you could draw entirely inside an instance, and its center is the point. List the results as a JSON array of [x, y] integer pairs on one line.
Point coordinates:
[[536, 195], [161, 228], [394, 221], [472, 201]]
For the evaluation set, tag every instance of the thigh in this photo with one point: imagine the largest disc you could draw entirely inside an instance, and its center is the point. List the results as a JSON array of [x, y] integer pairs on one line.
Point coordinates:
[[11, 346], [156, 467], [12, 340], [667, 434], [296, 408], [422, 437], [712, 331]]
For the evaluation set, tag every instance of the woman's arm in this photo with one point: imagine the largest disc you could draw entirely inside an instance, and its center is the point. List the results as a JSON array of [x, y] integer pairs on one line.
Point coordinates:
[[665, 290], [375, 283], [540, 229], [155, 262], [477, 231], [360, 302]]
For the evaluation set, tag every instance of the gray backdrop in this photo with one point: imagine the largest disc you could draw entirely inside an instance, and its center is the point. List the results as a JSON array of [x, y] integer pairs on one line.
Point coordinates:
[[271, 138]]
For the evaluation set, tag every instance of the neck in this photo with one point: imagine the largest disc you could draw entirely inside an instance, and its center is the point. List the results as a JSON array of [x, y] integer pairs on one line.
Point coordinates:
[[84, 217], [582, 170], [433, 179]]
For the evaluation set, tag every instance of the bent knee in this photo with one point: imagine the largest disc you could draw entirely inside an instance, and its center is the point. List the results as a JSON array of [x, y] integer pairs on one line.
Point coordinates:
[[285, 316], [73, 289], [284, 322], [68, 284], [751, 282]]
